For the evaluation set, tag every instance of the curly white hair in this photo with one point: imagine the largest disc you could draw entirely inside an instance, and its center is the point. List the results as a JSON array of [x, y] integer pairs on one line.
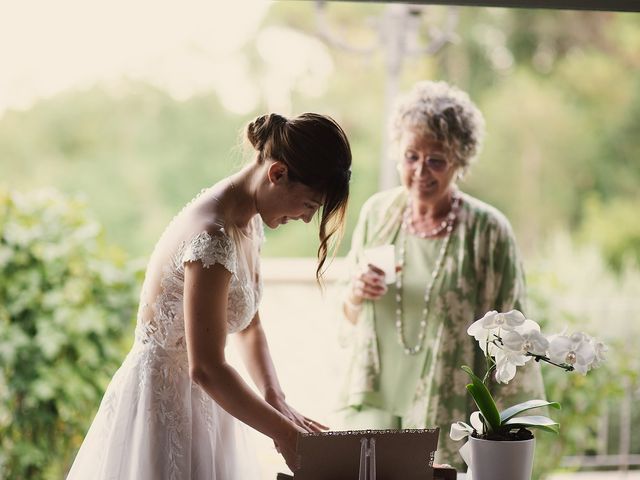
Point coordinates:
[[444, 111]]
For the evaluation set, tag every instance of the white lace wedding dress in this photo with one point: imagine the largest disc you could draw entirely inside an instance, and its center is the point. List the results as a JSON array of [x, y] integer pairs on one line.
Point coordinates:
[[154, 423]]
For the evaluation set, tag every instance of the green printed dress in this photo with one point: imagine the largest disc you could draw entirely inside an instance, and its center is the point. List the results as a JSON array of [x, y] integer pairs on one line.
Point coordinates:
[[481, 271]]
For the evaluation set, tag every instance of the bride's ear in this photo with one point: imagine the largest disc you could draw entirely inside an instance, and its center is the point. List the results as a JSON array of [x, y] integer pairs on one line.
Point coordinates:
[[277, 172]]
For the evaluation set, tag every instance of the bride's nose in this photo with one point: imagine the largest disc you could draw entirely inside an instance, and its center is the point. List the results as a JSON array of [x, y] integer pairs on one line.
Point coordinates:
[[305, 217]]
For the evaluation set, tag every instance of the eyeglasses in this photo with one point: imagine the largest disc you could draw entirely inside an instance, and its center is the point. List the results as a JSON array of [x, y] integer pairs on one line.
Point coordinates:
[[435, 164]]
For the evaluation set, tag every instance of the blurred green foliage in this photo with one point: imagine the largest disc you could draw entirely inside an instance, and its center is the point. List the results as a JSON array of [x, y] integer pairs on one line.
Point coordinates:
[[67, 301], [135, 157], [572, 287], [609, 226], [560, 91]]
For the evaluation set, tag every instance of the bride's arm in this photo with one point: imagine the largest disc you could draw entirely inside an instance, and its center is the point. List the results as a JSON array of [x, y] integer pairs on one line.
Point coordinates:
[[257, 358], [205, 307]]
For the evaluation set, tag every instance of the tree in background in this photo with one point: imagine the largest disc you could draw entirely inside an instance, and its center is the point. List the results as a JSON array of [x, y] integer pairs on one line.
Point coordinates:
[[66, 305], [559, 90]]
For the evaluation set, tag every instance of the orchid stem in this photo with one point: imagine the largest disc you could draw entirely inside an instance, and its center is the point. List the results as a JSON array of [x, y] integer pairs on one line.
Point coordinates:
[[537, 358], [565, 366], [491, 365]]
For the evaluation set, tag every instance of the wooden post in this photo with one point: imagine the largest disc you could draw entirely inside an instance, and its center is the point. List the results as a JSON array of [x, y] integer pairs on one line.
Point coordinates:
[[625, 426]]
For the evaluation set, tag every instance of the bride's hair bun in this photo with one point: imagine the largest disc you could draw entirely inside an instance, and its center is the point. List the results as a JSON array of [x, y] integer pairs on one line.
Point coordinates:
[[317, 154], [263, 128]]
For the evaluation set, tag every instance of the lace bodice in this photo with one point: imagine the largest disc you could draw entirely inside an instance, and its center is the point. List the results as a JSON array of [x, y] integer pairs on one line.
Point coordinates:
[[161, 321]]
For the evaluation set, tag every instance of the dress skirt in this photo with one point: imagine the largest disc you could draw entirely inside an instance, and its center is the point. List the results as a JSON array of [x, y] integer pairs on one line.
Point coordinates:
[[154, 423]]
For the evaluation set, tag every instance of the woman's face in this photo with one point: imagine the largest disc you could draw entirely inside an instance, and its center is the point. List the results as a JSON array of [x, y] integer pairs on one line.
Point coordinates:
[[286, 200], [426, 169]]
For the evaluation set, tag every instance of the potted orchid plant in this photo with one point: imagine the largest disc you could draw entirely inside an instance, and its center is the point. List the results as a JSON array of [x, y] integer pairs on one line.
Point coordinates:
[[501, 443]]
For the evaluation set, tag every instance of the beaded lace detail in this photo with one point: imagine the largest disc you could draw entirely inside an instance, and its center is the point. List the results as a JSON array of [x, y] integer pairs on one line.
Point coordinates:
[[165, 327], [210, 251]]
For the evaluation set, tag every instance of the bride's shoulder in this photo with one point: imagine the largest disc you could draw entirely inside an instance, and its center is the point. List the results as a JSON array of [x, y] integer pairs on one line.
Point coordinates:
[[214, 227], [206, 218], [210, 232], [211, 243]]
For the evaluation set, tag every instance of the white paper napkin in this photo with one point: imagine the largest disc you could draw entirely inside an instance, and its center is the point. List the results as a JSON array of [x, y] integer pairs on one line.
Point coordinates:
[[383, 257]]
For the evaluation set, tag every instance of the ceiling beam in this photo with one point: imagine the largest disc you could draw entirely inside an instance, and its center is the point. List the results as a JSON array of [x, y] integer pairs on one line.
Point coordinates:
[[596, 5]]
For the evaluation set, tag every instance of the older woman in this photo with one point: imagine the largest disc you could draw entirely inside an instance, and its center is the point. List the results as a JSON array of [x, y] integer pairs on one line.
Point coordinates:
[[456, 258]]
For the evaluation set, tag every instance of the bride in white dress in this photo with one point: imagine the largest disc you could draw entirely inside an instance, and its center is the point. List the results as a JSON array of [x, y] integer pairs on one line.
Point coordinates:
[[171, 409]]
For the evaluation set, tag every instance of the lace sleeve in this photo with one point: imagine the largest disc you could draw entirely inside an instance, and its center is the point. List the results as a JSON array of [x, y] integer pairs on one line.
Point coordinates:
[[211, 249]]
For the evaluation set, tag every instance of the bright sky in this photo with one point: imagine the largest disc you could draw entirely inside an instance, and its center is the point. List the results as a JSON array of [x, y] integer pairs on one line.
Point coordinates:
[[184, 47]]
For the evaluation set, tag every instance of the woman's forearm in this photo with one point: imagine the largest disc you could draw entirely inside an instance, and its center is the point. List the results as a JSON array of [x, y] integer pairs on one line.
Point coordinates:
[[223, 383], [256, 356]]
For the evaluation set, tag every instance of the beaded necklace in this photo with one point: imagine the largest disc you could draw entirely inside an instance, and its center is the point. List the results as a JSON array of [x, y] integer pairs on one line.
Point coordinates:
[[407, 226]]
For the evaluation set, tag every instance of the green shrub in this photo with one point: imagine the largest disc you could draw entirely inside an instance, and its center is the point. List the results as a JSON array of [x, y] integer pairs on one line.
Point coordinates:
[[574, 287], [67, 302]]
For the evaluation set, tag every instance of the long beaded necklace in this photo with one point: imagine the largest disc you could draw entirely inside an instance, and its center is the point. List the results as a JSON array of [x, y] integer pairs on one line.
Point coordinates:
[[407, 226]]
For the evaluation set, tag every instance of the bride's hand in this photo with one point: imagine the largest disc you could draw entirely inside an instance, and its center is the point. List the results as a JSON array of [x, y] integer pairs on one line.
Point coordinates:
[[286, 446], [278, 402]]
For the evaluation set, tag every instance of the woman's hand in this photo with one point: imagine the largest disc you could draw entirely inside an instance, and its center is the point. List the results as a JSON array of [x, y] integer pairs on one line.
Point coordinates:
[[278, 402], [286, 446], [368, 284]]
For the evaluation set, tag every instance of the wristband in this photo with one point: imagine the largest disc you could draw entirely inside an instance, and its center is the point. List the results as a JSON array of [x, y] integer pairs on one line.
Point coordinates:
[[356, 307]]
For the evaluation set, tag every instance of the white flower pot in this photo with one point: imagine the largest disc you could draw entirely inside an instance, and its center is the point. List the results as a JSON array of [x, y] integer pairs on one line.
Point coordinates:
[[502, 460]]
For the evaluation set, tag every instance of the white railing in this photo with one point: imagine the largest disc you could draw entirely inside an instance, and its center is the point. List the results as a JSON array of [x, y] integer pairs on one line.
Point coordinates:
[[623, 459]]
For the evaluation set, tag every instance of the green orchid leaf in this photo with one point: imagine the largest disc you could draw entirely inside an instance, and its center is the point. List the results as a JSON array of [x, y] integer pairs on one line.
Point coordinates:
[[483, 399], [534, 421], [524, 406]]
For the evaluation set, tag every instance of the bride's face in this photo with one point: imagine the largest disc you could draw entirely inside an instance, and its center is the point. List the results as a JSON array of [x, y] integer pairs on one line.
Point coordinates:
[[283, 200]]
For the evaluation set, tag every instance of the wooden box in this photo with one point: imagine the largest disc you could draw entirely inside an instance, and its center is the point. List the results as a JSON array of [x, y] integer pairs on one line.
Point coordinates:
[[370, 455]]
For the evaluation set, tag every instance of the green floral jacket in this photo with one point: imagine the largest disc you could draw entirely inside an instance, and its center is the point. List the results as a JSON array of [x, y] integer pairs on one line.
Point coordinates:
[[482, 271]]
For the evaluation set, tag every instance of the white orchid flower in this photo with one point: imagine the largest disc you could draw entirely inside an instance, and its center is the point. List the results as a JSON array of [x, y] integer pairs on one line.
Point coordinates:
[[476, 422], [526, 339], [601, 350], [476, 326], [507, 363], [481, 334], [460, 430], [576, 350], [492, 322], [494, 319], [526, 326]]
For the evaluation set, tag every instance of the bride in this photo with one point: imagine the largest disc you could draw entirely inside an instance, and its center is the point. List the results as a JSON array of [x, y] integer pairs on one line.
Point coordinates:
[[171, 409]]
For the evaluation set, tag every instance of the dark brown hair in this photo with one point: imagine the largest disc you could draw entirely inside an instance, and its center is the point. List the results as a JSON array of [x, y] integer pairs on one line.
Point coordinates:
[[317, 154]]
